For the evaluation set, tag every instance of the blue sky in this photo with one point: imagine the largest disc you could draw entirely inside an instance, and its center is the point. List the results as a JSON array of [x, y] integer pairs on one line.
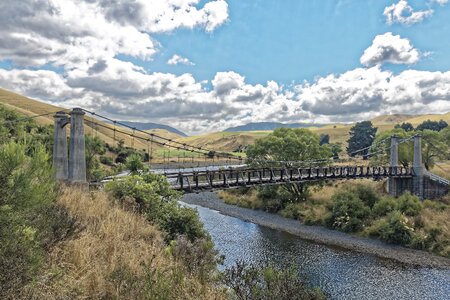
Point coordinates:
[[205, 65], [293, 40]]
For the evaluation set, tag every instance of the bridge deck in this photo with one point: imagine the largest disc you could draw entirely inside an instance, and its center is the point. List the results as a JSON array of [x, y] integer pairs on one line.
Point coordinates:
[[193, 182]]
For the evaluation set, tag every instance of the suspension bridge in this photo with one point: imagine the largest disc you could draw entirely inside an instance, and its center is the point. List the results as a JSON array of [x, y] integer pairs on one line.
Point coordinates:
[[237, 173]]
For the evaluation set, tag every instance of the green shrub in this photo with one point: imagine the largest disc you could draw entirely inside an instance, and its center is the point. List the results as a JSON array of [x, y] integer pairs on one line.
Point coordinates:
[[366, 194], [134, 163], [409, 204], [291, 211], [106, 160], [252, 282], [152, 195], [385, 206], [199, 258], [348, 212], [30, 222], [395, 229]]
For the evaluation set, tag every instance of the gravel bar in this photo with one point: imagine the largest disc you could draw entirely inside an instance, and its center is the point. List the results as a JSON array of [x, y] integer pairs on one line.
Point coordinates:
[[319, 234]]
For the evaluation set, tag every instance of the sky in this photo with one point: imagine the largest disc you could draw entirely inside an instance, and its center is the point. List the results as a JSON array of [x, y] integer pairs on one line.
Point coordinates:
[[206, 65]]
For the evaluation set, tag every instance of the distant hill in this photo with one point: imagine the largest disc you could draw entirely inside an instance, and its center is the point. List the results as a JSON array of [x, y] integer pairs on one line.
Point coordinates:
[[31, 107], [151, 126], [263, 126]]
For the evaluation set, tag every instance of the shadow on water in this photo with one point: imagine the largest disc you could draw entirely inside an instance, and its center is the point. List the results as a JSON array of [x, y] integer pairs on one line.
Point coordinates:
[[342, 274]]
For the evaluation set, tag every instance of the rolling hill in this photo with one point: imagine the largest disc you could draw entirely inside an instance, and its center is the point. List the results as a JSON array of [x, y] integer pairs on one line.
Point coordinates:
[[30, 107], [220, 141], [263, 126]]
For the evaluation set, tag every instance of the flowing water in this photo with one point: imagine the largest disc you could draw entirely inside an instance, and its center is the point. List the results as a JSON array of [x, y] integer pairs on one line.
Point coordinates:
[[340, 273]]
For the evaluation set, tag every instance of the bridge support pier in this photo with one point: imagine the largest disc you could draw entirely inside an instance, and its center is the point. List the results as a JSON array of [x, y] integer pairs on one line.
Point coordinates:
[[418, 168], [77, 156], [60, 160], [393, 183]]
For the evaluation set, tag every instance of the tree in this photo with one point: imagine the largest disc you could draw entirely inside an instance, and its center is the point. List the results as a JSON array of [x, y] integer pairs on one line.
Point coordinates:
[[324, 139], [434, 147], [432, 125], [382, 144], [288, 145], [134, 163], [336, 149], [362, 136], [405, 126]]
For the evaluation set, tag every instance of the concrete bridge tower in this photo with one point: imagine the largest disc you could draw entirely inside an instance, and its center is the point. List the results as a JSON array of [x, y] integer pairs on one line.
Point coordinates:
[[418, 168], [393, 183], [60, 159], [77, 154]]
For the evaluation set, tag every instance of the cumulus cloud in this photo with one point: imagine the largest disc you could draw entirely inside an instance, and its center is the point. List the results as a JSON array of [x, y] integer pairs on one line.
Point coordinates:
[[442, 2], [389, 48], [364, 93], [123, 91], [87, 38], [177, 59], [403, 13], [69, 33]]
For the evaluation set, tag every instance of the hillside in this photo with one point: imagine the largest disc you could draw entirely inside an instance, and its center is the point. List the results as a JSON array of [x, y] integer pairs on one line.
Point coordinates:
[[30, 107], [221, 141], [152, 126], [263, 126], [225, 141]]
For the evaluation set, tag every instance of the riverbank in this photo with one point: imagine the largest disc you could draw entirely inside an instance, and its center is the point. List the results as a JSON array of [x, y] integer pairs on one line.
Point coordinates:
[[319, 234]]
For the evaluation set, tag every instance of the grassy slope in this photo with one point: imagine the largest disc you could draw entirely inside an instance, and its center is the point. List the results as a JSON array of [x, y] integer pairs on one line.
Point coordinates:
[[115, 254], [31, 107], [222, 141]]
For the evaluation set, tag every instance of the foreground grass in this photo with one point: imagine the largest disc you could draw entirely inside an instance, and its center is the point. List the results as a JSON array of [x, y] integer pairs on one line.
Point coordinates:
[[115, 255]]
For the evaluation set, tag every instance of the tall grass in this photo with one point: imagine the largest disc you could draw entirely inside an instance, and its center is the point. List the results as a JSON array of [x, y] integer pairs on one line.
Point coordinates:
[[116, 254]]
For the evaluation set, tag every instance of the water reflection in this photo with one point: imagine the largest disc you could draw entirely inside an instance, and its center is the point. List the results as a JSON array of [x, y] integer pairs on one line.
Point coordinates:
[[342, 274]]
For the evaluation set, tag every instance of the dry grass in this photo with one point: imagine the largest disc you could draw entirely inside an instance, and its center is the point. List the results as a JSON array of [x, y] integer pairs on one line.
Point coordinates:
[[117, 254], [247, 199], [440, 220]]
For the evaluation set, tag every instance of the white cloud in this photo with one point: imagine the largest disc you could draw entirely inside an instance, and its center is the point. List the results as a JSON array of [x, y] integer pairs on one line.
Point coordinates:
[[389, 48], [123, 91], [87, 37], [441, 2], [69, 33], [364, 93], [177, 59], [403, 13]]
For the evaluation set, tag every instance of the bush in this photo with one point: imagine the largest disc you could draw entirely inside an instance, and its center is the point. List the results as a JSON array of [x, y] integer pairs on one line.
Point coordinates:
[[252, 282], [409, 204], [385, 206], [366, 194], [151, 194], [106, 160], [30, 222], [348, 212], [134, 163], [395, 229], [199, 258]]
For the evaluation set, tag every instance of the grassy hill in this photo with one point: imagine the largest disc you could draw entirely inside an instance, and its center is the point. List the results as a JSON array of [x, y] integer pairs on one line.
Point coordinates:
[[221, 141], [30, 107]]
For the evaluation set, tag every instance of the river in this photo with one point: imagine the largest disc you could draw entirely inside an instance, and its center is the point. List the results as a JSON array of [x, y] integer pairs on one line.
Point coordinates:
[[342, 274]]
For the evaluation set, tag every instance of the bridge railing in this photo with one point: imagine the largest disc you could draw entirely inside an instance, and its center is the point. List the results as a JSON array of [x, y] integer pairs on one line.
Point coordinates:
[[194, 181]]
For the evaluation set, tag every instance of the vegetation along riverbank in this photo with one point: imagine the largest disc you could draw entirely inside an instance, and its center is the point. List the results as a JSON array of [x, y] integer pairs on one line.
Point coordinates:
[[131, 241], [360, 207]]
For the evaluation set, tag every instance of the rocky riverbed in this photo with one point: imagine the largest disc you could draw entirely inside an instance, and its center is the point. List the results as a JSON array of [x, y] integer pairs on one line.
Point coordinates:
[[319, 234]]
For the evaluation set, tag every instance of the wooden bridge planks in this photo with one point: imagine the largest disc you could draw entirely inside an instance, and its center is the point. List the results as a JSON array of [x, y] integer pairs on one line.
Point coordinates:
[[235, 178]]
